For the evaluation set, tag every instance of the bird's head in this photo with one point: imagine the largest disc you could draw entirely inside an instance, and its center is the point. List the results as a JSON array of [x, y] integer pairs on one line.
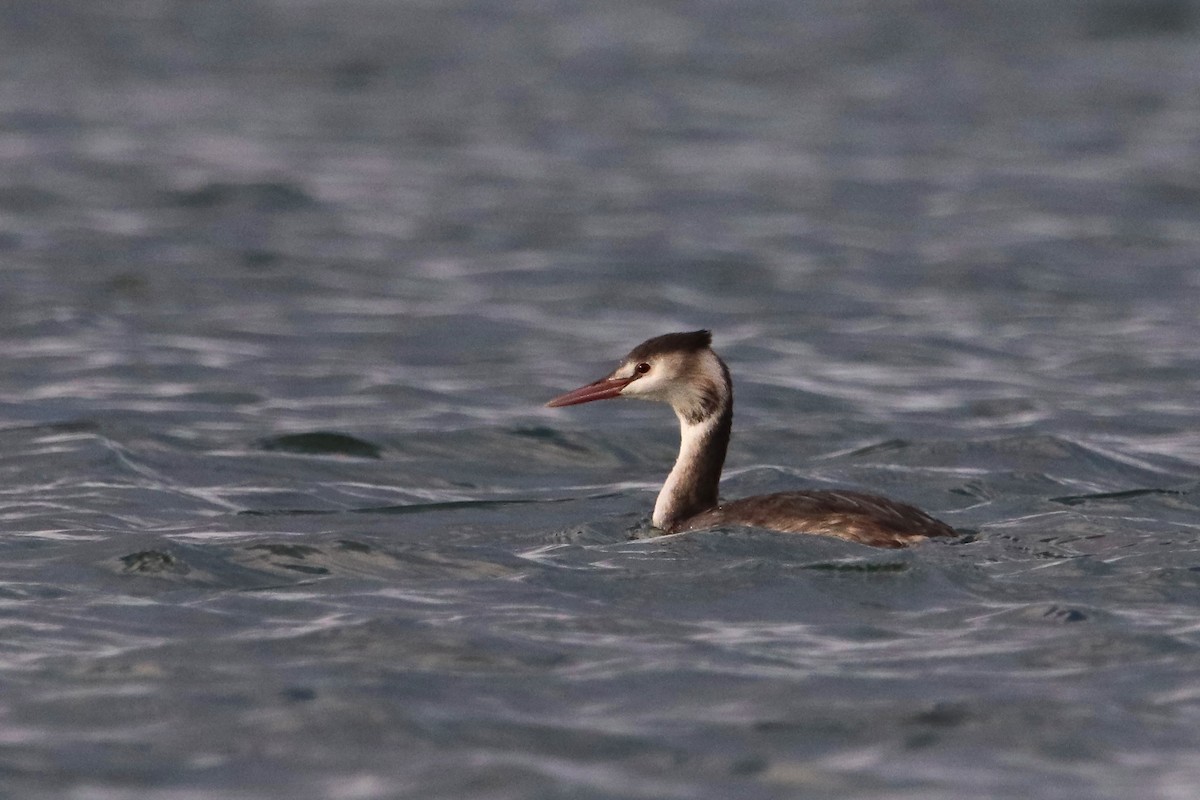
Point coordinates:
[[679, 369]]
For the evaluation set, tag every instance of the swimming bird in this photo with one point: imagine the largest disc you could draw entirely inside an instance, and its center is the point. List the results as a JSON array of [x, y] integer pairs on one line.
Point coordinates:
[[681, 370]]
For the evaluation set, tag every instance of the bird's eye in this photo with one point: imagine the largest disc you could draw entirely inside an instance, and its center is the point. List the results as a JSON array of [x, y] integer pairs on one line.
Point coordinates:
[[642, 368]]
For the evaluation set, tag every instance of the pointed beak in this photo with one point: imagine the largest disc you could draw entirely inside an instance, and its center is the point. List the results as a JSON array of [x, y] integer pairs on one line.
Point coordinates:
[[602, 389]]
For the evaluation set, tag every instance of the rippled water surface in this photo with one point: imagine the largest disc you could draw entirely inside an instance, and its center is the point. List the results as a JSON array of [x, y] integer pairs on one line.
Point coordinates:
[[285, 285]]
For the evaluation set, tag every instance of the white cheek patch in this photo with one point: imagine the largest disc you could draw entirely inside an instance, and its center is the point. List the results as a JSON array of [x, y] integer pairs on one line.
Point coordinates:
[[668, 382], [649, 387]]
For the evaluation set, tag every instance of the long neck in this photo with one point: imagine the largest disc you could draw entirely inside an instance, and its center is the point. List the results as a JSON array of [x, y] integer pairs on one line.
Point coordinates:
[[692, 485]]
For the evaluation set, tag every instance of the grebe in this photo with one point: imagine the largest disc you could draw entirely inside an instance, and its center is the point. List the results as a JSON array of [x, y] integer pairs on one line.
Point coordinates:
[[681, 369]]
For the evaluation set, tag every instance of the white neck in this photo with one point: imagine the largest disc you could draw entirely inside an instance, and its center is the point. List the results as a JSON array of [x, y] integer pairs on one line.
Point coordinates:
[[692, 485]]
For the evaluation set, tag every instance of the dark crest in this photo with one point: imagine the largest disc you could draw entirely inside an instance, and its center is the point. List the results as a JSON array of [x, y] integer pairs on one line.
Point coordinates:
[[671, 343]]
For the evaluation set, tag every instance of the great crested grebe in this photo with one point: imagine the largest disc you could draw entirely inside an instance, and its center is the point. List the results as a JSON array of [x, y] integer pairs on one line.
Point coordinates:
[[681, 369]]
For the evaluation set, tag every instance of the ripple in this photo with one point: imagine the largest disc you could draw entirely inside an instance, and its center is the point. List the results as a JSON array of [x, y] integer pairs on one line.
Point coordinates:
[[321, 443]]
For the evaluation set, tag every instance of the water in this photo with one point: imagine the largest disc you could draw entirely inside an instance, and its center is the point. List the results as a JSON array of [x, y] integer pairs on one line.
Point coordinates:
[[285, 285]]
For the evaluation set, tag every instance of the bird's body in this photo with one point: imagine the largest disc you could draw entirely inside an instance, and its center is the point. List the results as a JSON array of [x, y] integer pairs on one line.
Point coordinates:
[[681, 369]]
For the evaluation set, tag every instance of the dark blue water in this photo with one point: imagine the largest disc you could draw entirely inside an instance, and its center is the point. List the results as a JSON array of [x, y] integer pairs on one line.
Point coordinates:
[[283, 287]]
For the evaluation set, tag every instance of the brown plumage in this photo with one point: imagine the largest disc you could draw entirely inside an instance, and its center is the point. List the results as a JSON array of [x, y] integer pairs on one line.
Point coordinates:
[[855, 516], [681, 369]]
